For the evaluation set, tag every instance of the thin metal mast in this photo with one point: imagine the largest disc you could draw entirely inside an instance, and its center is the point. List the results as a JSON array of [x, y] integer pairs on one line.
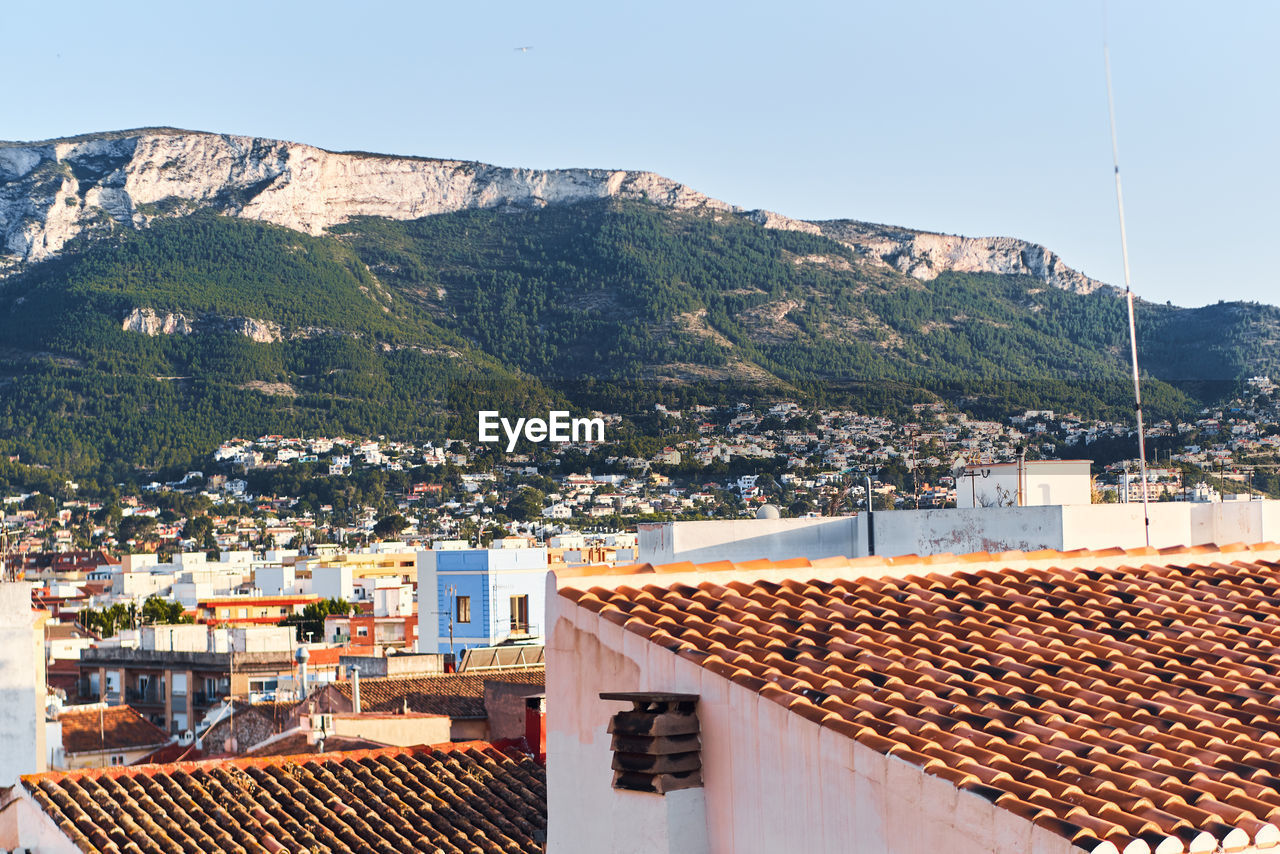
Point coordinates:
[[1128, 296]]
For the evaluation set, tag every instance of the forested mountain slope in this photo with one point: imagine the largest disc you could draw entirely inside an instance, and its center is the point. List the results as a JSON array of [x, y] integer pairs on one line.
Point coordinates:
[[167, 305]]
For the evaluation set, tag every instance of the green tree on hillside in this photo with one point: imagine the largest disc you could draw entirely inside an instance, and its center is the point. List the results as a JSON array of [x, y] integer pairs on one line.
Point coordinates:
[[309, 625], [158, 611]]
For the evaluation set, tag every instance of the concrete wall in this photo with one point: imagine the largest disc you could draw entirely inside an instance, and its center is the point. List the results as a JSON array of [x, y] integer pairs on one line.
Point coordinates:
[[994, 529], [332, 582], [1044, 482], [275, 580], [428, 602], [24, 825], [750, 539], [1100, 526], [394, 665], [100, 758], [469, 730], [901, 532], [504, 702], [774, 781], [22, 685], [401, 730]]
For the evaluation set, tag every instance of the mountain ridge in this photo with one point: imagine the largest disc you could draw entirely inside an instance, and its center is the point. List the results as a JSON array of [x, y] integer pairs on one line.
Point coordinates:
[[52, 191], [153, 305]]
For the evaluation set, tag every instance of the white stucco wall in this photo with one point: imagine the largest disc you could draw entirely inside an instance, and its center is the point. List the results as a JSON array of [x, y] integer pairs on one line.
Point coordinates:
[[1102, 526], [24, 825], [275, 580], [332, 582], [924, 532], [750, 539], [1044, 482], [774, 781], [960, 530], [22, 685], [401, 730]]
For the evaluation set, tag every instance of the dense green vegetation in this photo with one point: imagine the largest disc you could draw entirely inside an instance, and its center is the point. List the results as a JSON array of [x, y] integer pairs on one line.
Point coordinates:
[[406, 329], [154, 611], [205, 265], [628, 293], [82, 395], [310, 623]]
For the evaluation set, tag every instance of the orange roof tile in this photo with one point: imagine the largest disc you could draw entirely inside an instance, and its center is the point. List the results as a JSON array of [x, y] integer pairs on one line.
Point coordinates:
[[458, 695], [103, 729], [448, 798], [1119, 700]]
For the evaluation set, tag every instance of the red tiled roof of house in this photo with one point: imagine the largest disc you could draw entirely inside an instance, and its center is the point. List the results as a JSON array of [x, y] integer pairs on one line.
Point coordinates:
[[325, 656], [450, 798], [458, 695], [66, 631], [175, 752], [1112, 697], [105, 729], [295, 743]]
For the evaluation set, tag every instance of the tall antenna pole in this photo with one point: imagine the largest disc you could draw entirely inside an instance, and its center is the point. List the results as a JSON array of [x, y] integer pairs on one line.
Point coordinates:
[[1128, 296]]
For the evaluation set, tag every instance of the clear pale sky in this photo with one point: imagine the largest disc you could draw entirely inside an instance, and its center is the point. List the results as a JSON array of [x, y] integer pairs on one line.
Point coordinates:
[[972, 118]]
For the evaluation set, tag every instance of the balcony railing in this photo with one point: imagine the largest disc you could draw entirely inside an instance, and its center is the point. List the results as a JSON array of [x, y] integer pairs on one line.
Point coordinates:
[[147, 695]]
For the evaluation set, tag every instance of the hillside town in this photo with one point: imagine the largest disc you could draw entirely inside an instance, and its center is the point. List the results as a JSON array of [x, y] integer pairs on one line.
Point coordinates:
[[706, 463]]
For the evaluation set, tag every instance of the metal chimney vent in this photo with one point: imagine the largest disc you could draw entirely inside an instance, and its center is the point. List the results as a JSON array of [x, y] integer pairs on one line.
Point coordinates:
[[655, 745]]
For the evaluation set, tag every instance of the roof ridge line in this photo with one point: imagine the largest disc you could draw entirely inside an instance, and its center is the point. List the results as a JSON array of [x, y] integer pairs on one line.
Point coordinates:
[[610, 577], [150, 770]]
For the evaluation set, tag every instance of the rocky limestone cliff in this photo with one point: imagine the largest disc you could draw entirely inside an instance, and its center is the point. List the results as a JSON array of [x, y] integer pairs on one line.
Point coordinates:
[[53, 191], [148, 321], [924, 255]]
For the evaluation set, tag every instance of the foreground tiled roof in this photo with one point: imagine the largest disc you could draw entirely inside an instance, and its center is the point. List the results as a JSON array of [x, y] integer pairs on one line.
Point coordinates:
[[1110, 697], [459, 695], [108, 729], [454, 799]]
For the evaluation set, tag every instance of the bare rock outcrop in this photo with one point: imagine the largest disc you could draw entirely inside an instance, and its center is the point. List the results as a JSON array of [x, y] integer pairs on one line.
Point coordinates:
[[148, 321], [53, 191]]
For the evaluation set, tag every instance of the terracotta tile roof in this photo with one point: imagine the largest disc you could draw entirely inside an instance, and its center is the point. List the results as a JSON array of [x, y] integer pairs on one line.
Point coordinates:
[[458, 695], [1108, 698], [325, 656], [66, 631], [452, 798], [174, 752], [108, 729], [296, 743]]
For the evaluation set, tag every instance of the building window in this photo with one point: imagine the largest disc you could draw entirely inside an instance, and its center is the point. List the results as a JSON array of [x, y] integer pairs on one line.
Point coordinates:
[[464, 609], [362, 631], [117, 759], [519, 614]]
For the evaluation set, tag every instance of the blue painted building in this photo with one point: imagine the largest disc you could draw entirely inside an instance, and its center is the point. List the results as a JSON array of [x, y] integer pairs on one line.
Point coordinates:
[[481, 596]]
